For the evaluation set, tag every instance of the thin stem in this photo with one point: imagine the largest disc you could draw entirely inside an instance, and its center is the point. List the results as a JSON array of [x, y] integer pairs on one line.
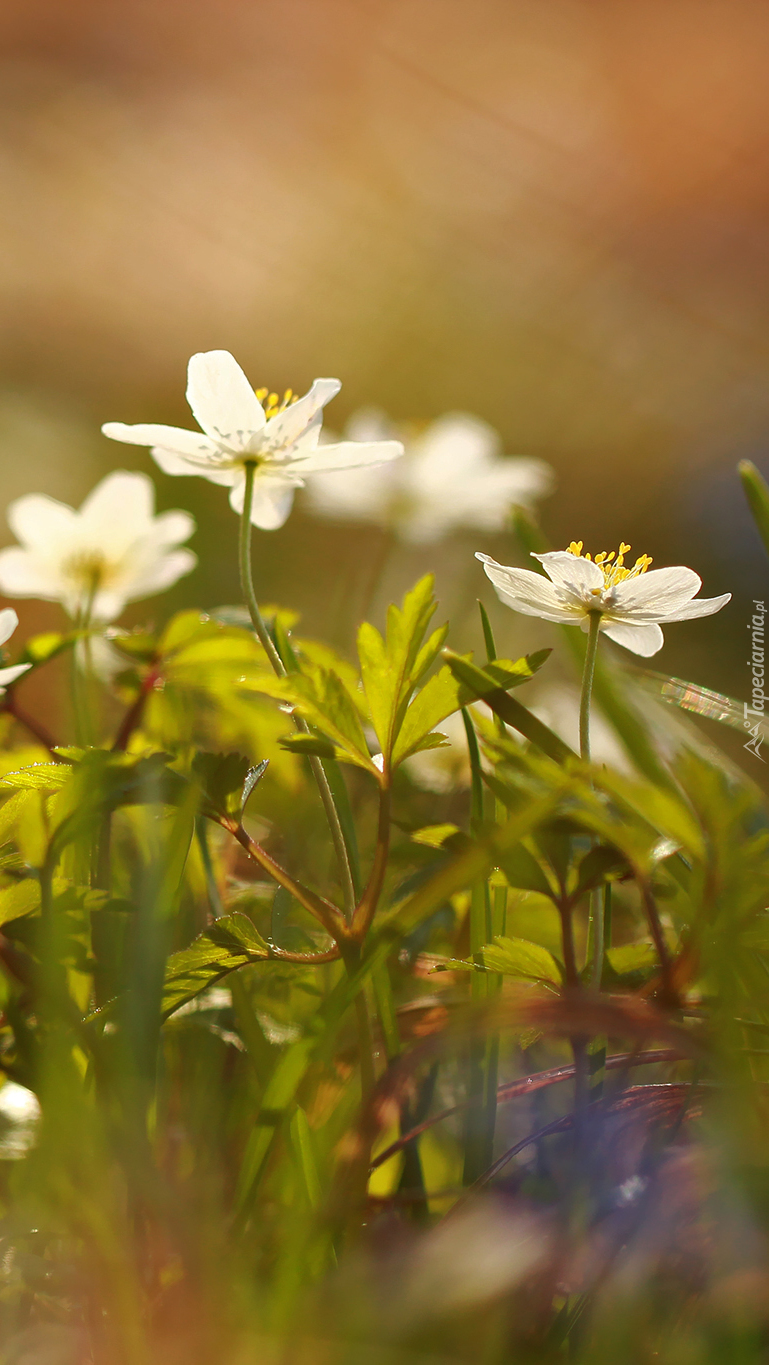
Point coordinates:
[[567, 942], [658, 936], [322, 910], [527, 1085], [135, 711], [268, 645], [246, 576], [214, 898], [351, 957], [370, 898], [587, 685]]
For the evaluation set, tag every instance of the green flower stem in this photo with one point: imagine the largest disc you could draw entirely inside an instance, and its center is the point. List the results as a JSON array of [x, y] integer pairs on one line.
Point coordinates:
[[484, 1052], [247, 580], [587, 685], [593, 1059], [265, 639]]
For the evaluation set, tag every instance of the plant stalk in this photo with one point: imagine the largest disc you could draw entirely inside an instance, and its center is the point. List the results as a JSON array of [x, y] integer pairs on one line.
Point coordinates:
[[268, 645], [588, 674]]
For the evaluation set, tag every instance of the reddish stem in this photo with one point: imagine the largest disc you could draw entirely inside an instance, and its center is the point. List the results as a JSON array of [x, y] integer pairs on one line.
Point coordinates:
[[11, 707], [135, 711], [367, 905], [513, 1090]]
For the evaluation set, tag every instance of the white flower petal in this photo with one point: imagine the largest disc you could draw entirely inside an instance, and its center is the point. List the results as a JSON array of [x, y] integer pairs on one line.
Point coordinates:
[[23, 573], [107, 604], [171, 528], [9, 675], [644, 640], [703, 606], [369, 424], [39, 521], [456, 446], [212, 469], [285, 429], [571, 572], [159, 573], [222, 400], [655, 594], [192, 445], [486, 501], [272, 502], [8, 623], [347, 455], [527, 592], [123, 503], [358, 494]]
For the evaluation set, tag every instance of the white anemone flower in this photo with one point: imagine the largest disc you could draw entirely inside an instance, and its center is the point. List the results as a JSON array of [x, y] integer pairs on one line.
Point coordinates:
[[632, 603], [241, 427], [112, 551], [8, 623], [453, 475]]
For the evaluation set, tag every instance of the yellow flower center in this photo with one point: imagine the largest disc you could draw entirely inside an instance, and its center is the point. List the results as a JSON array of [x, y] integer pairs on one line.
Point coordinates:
[[273, 404], [87, 568], [612, 563]]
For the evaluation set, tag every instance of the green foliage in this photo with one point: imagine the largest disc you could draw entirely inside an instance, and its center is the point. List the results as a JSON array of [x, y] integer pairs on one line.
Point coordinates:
[[757, 494], [229, 943], [241, 1074]]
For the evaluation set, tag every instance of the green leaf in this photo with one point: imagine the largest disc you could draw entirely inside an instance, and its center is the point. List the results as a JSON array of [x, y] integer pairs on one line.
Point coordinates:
[[276, 1101], [41, 648], [323, 699], [229, 943], [488, 634], [41, 777], [521, 958], [435, 836], [316, 745], [222, 778], [253, 776], [757, 494], [446, 692], [524, 872], [481, 683], [599, 865], [632, 957], [21, 899], [10, 812], [137, 644], [439, 698], [517, 957], [392, 667]]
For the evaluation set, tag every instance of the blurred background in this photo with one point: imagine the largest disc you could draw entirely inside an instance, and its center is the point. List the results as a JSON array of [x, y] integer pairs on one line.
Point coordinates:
[[552, 215]]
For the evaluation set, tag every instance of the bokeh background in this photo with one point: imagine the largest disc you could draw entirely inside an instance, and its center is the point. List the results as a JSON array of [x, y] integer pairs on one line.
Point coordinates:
[[552, 214]]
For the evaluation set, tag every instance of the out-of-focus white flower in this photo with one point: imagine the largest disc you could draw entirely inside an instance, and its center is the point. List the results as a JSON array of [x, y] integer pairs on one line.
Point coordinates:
[[240, 426], [632, 602], [452, 475], [19, 1119], [8, 623], [95, 560]]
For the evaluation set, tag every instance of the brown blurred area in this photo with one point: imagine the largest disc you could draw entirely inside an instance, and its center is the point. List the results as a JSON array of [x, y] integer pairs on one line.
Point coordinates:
[[552, 214]]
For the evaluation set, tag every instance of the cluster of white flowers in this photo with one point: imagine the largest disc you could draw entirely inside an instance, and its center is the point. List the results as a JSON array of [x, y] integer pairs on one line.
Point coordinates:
[[240, 426], [115, 550], [452, 475]]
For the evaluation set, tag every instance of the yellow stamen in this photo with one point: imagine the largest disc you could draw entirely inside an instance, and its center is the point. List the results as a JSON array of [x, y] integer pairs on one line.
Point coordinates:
[[616, 572], [273, 404]]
